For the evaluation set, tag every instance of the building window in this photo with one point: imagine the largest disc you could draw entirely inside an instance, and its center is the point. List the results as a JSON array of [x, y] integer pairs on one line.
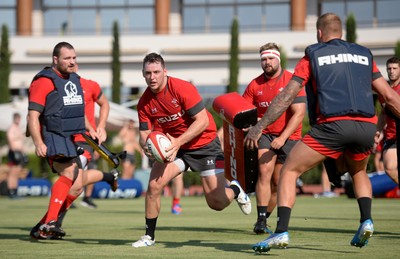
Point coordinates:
[[96, 17], [368, 13], [217, 15], [387, 13], [7, 15]]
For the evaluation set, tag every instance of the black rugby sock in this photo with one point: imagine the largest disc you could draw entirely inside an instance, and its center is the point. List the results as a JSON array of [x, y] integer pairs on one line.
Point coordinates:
[[108, 177], [151, 227], [283, 219], [262, 212], [235, 190], [364, 204]]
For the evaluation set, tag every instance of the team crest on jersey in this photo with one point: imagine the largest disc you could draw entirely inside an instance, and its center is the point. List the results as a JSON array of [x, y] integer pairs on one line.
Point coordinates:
[[175, 102], [72, 97]]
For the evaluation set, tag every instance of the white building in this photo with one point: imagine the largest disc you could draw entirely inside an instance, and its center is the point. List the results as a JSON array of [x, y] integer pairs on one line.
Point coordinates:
[[192, 35]]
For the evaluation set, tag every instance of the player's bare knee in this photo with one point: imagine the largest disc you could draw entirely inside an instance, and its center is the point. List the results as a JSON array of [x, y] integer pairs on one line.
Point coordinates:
[[216, 204], [155, 186], [75, 171], [76, 190], [154, 189]]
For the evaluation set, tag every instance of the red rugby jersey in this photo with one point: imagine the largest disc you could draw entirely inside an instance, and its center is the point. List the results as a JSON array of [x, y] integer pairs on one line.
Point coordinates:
[[260, 93], [91, 92], [172, 110], [390, 130], [38, 91]]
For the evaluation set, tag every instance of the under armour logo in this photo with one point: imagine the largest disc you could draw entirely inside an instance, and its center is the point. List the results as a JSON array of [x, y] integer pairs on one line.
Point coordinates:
[[210, 162], [58, 201], [153, 110], [259, 93], [263, 214]]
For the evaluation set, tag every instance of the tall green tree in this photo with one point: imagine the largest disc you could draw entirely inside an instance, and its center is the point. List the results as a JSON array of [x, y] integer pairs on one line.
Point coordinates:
[[283, 57], [233, 85], [351, 25], [397, 49], [5, 66], [116, 66]]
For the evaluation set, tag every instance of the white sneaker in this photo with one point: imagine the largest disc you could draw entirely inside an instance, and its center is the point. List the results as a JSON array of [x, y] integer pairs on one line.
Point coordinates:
[[243, 199], [144, 241]]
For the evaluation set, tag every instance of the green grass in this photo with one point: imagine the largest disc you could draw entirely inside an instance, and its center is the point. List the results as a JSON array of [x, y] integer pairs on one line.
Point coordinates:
[[319, 228]]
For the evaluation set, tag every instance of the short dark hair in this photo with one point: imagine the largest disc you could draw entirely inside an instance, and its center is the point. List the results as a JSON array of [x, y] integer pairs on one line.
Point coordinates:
[[59, 46], [393, 60], [153, 58]]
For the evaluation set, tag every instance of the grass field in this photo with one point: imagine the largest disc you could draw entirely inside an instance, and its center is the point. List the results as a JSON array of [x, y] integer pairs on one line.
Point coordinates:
[[319, 228]]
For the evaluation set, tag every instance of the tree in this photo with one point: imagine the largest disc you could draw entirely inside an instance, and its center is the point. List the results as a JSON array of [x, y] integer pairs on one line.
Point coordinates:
[[397, 49], [351, 35], [283, 57], [116, 66], [5, 66], [5, 70], [234, 58]]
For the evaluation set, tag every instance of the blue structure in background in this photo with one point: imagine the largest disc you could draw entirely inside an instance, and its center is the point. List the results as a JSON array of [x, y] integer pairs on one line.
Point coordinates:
[[131, 188], [34, 187], [381, 183]]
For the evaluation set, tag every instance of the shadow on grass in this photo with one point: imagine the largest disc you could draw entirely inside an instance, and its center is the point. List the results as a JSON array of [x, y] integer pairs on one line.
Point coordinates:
[[345, 231], [244, 247], [336, 218], [250, 232], [241, 248]]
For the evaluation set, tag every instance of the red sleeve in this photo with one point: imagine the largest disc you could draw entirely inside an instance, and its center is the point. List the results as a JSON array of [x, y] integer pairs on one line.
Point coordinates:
[[188, 94], [38, 91], [375, 71], [303, 70], [144, 119], [96, 90], [248, 93]]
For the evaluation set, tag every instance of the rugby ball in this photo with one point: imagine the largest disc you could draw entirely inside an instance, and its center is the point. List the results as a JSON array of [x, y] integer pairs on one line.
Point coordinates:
[[157, 142]]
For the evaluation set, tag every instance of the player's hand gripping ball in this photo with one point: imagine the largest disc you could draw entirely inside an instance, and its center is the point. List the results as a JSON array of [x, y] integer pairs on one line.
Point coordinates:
[[157, 142]]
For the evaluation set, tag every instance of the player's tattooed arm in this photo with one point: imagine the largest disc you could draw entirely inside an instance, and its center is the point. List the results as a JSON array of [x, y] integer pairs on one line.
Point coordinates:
[[280, 104]]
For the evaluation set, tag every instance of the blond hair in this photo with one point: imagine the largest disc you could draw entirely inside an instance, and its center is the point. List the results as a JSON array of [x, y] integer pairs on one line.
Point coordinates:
[[330, 24], [268, 46]]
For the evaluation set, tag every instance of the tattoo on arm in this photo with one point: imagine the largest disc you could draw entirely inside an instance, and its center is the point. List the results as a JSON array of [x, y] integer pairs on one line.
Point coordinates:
[[280, 104]]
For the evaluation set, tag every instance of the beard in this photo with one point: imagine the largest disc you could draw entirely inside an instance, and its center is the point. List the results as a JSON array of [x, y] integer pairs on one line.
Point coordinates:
[[270, 71], [64, 70]]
